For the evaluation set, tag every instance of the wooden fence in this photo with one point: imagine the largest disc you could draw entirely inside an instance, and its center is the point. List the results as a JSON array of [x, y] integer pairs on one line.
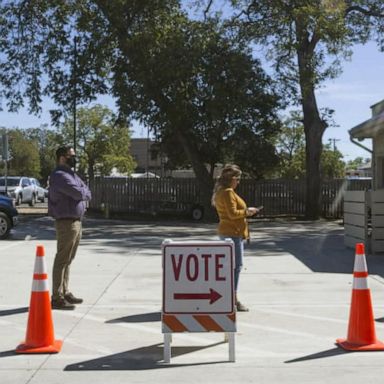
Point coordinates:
[[279, 197]]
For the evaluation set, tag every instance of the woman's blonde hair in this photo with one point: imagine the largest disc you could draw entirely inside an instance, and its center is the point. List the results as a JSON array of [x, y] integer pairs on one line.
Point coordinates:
[[225, 179]]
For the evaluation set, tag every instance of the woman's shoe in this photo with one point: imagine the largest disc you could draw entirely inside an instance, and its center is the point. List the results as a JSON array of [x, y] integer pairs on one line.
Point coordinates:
[[241, 307]]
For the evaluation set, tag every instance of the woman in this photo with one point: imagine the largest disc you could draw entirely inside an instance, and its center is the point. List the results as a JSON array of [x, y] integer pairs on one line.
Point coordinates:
[[232, 212]]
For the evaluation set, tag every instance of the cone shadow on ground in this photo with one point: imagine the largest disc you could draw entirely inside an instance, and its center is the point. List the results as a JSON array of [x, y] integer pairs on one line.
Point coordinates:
[[319, 355], [14, 311], [8, 353], [141, 318], [380, 320], [150, 357]]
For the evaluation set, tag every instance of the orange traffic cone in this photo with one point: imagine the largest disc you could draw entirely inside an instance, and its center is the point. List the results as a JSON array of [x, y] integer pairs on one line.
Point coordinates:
[[40, 335], [361, 328]]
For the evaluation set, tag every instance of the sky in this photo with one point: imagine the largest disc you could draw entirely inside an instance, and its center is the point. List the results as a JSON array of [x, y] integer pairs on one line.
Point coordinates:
[[351, 95]]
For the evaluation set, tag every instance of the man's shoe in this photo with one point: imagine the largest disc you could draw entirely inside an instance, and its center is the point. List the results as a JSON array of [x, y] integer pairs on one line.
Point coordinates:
[[62, 304], [72, 299]]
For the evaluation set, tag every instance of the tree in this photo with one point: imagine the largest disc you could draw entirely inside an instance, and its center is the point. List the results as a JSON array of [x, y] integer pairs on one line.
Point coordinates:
[[357, 162], [331, 165], [207, 100], [69, 51], [301, 37], [291, 147], [48, 140], [218, 98], [101, 145], [38, 57], [188, 81], [24, 155]]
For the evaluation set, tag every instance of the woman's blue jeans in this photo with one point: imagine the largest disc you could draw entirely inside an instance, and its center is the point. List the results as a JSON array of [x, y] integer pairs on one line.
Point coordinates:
[[239, 253]]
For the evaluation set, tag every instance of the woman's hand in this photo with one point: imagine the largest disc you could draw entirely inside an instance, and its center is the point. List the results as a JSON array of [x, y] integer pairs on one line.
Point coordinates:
[[251, 211]]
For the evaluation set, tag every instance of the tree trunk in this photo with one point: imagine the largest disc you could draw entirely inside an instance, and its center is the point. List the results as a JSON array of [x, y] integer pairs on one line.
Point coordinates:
[[313, 150], [203, 177], [91, 174], [314, 127]]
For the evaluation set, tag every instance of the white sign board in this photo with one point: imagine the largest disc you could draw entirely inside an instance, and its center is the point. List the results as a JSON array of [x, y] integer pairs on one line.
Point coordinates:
[[198, 277]]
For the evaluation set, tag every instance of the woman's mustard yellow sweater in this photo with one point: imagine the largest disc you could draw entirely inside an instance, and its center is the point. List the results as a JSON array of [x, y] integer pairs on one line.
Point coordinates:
[[231, 209]]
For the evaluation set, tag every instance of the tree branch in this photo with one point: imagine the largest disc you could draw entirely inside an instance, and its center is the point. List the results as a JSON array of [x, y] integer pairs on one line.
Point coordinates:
[[207, 8], [246, 12], [367, 12], [315, 39]]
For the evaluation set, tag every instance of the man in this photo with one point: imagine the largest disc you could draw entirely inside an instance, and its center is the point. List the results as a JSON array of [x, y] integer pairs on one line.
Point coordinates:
[[67, 198]]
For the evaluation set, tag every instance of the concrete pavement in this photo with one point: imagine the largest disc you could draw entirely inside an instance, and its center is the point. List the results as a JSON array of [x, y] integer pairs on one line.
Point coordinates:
[[296, 281]]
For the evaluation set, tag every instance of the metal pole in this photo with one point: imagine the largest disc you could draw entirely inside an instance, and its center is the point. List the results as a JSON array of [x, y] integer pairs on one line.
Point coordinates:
[[334, 143], [147, 150], [5, 158], [167, 347], [74, 91]]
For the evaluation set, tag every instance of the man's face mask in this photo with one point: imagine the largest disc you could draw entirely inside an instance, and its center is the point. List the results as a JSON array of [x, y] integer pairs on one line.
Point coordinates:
[[71, 161]]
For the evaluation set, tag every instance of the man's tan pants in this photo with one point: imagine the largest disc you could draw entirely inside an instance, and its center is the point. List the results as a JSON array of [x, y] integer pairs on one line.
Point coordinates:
[[68, 235]]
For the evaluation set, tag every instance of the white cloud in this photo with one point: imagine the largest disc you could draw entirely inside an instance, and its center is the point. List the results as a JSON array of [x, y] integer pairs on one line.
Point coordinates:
[[356, 91]]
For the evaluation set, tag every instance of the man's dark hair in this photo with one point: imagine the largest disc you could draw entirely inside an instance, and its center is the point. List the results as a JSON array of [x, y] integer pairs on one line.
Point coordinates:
[[62, 151]]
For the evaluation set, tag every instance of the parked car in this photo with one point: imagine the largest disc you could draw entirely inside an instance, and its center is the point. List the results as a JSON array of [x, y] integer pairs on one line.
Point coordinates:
[[8, 216], [19, 188], [40, 192]]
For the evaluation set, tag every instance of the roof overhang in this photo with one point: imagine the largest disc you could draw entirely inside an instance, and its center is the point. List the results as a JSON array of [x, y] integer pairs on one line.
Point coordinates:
[[368, 129]]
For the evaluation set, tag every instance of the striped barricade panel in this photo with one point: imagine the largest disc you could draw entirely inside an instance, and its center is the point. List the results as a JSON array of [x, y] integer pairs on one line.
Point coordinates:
[[198, 323]]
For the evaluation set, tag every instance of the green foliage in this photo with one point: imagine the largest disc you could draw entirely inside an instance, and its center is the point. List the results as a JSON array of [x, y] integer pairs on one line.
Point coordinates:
[[38, 55], [293, 167], [202, 94], [255, 154], [357, 162], [291, 146], [48, 141], [101, 143], [24, 153], [191, 82], [196, 84], [305, 41], [325, 30], [332, 165]]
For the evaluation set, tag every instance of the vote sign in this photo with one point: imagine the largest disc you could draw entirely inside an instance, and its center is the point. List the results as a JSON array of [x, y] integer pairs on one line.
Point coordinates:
[[198, 277]]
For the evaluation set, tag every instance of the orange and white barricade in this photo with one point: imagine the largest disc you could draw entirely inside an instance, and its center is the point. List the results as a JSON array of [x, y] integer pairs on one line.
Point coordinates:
[[198, 290]]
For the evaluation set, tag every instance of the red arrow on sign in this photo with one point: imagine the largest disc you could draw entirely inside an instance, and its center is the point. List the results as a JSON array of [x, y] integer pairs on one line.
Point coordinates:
[[212, 296]]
